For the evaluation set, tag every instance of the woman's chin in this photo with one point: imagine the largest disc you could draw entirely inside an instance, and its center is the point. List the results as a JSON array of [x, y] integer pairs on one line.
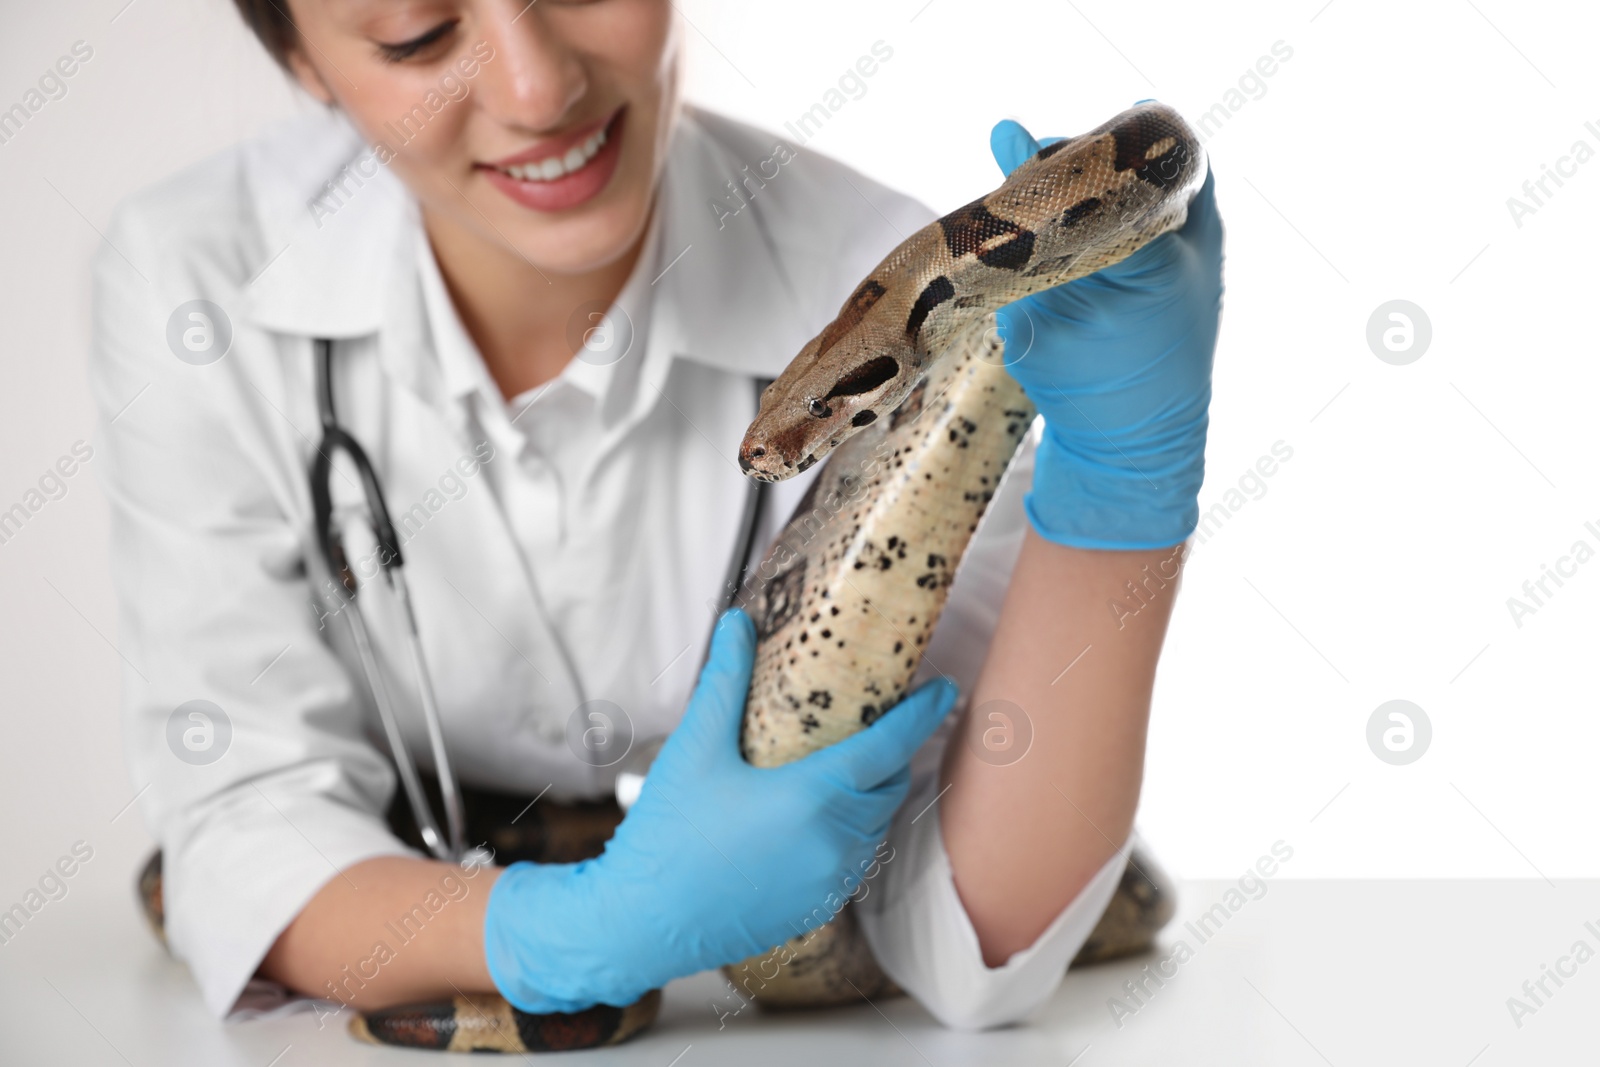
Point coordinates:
[[582, 245]]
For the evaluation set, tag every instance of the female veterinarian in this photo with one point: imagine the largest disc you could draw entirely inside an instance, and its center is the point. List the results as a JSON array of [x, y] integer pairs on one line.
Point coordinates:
[[504, 260]]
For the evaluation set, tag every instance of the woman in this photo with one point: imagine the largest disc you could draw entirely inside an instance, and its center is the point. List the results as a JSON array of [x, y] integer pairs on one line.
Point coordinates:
[[547, 319]]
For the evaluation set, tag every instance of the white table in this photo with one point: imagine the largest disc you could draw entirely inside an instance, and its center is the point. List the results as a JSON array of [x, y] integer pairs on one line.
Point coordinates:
[[1314, 973]]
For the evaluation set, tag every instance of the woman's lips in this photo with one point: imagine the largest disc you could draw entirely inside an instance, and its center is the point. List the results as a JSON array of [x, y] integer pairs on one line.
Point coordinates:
[[583, 163]]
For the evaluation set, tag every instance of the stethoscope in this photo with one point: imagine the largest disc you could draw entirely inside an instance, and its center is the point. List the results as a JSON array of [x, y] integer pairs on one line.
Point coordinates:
[[450, 844]]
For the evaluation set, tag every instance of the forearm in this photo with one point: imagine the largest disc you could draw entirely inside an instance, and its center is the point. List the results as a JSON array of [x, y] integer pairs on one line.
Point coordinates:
[[1025, 837], [391, 930]]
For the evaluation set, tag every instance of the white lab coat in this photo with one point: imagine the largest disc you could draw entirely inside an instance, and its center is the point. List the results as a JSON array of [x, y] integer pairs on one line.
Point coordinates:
[[218, 574]]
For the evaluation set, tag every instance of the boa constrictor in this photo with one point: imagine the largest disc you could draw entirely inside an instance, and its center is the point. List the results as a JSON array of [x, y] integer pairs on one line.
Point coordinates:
[[908, 389]]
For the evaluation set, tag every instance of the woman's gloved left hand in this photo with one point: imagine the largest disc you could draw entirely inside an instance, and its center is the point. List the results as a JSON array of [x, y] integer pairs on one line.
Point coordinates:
[[1119, 365]]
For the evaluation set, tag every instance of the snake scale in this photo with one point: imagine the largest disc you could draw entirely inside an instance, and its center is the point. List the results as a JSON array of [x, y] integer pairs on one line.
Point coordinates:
[[906, 389]]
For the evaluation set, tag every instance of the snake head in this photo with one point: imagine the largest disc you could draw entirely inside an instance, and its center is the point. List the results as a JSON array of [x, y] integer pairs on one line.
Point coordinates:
[[829, 393]]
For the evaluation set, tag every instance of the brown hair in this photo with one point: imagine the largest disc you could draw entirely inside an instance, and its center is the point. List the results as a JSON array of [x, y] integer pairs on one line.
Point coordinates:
[[269, 20]]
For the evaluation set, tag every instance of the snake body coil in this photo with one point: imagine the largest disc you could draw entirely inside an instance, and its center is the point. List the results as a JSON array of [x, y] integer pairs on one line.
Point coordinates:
[[907, 390], [908, 383]]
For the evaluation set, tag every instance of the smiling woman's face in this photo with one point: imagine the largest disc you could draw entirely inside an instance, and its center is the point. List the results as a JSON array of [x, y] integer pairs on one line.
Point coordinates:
[[538, 127]]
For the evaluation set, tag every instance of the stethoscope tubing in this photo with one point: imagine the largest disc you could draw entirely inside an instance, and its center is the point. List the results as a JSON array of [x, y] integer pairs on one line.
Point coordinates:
[[449, 844]]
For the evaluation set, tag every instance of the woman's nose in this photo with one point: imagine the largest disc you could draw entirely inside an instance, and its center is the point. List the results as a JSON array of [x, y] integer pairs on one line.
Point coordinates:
[[536, 77]]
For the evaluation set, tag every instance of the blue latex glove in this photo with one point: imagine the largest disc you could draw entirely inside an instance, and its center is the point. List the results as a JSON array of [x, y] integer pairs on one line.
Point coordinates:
[[717, 860], [1119, 365]]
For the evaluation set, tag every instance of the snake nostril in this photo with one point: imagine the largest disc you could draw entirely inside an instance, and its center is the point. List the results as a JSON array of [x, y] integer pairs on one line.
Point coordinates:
[[757, 452]]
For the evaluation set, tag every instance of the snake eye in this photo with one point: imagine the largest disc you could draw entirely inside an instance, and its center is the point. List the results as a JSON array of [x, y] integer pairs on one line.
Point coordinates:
[[819, 408]]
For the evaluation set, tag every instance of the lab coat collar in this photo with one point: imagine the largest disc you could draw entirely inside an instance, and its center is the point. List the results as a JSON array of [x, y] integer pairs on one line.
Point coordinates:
[[724, 298], [333, 224], [337, 225]]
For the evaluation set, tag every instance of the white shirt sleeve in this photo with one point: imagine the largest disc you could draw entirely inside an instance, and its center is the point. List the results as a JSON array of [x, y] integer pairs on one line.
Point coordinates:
[[913, 918], [920, 933], [209, 564]]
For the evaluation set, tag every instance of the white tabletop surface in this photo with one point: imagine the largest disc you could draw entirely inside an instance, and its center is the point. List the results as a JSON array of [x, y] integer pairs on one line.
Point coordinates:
[[1314, 972]]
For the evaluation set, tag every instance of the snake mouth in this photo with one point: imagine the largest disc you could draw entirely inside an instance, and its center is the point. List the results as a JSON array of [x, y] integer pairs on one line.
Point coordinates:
[[765, 459], [763, 465], [755, 462], [774, 453]]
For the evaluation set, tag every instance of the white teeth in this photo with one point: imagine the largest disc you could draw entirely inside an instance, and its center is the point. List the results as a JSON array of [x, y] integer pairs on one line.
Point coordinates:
[[577, 157]]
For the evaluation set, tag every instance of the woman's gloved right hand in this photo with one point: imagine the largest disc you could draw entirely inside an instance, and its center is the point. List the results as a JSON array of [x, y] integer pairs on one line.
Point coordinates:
[[717, 860]]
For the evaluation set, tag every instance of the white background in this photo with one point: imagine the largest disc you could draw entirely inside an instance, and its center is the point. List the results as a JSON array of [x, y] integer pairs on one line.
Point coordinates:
[[1377, 565]]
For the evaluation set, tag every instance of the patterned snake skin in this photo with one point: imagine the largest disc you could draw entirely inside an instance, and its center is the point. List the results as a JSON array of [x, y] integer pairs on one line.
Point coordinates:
[[908, 385]]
